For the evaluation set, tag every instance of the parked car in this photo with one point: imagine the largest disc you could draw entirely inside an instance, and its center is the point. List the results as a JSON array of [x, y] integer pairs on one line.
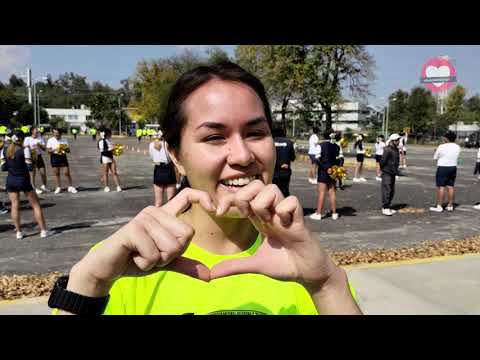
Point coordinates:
[[473, 140]]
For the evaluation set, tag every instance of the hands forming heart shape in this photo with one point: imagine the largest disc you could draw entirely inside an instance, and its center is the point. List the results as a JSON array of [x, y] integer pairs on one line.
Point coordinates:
[[156, 239]]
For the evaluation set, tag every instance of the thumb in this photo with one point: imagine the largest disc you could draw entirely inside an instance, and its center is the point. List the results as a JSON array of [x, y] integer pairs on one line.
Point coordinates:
[[192, 268], [245, 265]]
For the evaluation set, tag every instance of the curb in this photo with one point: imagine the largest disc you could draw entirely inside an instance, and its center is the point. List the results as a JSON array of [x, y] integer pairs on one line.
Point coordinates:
[[409, 262]]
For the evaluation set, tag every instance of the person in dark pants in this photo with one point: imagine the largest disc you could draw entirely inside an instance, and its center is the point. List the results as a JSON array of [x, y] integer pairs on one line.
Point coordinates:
[[328, 157], [389, 164], [285, 155]]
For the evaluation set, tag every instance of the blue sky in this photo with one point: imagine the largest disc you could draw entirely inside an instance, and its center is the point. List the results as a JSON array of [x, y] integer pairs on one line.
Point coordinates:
[[398, 66]]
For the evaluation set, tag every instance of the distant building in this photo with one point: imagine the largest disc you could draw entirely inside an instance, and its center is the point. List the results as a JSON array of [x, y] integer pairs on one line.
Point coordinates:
[[464, 130], [73, 117], [353, 115]]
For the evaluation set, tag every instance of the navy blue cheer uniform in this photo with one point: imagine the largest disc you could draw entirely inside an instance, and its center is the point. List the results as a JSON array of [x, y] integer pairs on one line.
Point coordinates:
[[329, 153], [285, 155], [18, 178]]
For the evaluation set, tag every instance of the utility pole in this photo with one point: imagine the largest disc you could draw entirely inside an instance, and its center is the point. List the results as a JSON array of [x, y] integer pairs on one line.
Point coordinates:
[[29, 85]]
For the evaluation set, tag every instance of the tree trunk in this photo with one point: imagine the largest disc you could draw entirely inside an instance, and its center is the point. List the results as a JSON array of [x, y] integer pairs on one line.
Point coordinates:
[[284, 113], [328, 116]]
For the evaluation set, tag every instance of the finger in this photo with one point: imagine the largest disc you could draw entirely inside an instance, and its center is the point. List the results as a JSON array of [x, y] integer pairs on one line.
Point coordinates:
[[241, 199], [188, 196], [247, 265], [168, 244], [189, 267], [182, 232], [147, 254], [264, 203], [289, 210]]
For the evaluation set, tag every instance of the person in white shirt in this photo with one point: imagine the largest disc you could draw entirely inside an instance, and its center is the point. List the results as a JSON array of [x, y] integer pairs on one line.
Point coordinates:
[[379, 146], [447, 159], [164, 177], [403, 150], [107, 160], [37, 145], [360, 152], [313, 151], [59, 160]]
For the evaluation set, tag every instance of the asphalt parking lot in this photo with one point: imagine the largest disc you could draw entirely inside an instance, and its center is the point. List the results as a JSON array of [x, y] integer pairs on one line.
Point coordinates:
[[91, 215]]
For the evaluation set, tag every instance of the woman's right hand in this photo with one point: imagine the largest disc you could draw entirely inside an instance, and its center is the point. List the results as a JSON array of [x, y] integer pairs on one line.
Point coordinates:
[[154, 240]]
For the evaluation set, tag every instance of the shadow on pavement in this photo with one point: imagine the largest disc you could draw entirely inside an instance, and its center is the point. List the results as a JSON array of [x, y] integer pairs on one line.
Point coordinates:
[[11, 227], [398, 206], [347, 211], [43, 206], [80, 188], [82, 225], [139, 187]]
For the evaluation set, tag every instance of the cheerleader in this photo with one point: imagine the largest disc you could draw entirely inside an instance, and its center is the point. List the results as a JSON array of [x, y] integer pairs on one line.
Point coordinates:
[[360, 151], [341, 158], [37, 146], [164, 179], [59, 160], [106, 159], [328, 157], [17, 161], [379, 146]]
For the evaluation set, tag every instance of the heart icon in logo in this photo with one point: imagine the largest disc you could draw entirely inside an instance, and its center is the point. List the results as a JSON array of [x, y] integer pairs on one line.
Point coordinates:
[[442, 71]]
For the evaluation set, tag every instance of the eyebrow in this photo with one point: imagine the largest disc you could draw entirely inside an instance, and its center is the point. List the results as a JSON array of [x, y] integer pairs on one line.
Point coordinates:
[[220, 126]]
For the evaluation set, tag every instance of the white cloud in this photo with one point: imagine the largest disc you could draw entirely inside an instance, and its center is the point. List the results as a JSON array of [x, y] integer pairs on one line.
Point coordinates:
[[13, 59]]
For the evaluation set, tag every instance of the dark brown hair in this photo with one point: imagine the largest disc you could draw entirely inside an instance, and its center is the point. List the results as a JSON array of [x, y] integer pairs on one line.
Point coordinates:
[[175, 119]]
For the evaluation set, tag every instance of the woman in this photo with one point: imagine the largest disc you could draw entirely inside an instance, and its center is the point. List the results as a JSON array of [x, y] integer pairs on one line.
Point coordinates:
[[37, 146], [341, 157], [180, 258], [59, 160], [164, 177], [379, 147], [17, 161], [106, 159], [360, 151], [329, 156]]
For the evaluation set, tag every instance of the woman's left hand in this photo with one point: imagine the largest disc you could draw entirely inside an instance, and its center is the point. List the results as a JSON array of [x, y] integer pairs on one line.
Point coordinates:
[[288, 252]]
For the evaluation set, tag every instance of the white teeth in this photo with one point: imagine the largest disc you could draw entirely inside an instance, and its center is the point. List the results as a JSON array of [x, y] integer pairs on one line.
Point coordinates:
[[239, 181]]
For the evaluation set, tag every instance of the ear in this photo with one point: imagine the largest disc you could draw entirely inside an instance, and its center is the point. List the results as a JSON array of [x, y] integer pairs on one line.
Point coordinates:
[[175, 158]]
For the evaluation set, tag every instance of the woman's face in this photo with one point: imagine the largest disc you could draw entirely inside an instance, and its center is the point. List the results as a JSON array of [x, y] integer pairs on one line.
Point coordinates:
[[57, 134], [226, 142]]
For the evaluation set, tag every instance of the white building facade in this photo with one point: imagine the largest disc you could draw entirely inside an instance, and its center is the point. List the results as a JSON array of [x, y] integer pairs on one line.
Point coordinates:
[[352, 115], [73, 117]]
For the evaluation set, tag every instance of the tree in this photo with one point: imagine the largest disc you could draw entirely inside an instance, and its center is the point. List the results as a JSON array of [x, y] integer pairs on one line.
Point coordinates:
[[421, 108], [331, 69], [9, 103], [16, 82], [281, 68], [455, 103], [216, 55], [473, 104], [398, 112]]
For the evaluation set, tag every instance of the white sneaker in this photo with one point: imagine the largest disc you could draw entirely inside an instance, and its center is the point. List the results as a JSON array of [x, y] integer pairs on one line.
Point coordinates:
[[334, 216], [356, 180], [362, 179], [178, 186], [393, 211], [314, 182], [119, 189], [378, 178], [316, 216], [19, 235], [44, 188], [387, 212], [46, 233], [106, 189], [38, 191], [72, 190], [437, 208], [476, 207], [450, 208], [58, 190]]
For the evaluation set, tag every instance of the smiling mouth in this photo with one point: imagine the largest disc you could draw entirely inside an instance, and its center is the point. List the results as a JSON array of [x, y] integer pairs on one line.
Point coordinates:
[[239, 182]]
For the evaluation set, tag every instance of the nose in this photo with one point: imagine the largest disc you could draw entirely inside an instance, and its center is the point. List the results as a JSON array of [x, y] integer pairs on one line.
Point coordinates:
[[239, 153]]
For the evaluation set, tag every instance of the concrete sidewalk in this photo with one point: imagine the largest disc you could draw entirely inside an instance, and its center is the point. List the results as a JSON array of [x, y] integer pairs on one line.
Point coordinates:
[[438, 286]]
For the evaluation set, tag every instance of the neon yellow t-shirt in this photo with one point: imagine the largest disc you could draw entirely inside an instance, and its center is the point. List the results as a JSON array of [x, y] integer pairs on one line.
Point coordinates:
[[168, 292]]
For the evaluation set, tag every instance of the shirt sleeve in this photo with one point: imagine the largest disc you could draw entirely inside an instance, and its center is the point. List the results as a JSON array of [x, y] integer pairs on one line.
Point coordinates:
[[437, 153]]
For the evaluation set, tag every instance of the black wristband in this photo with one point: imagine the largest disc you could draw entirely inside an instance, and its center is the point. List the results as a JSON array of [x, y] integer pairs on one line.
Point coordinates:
[[61, 298]]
